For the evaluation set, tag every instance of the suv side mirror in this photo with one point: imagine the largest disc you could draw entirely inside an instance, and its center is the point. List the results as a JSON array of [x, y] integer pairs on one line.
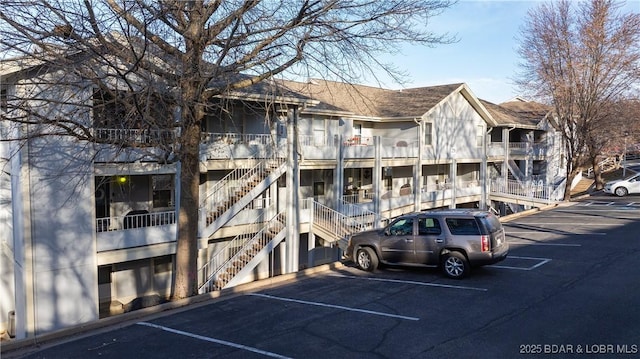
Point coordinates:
[[387, 231]]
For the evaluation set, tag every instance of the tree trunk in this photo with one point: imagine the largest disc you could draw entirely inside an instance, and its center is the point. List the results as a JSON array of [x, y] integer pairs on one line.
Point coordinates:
[[597, 173], [571, 174], [186, 281]]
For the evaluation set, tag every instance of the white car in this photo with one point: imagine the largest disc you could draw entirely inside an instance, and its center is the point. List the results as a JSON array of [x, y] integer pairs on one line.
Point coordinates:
[[625, 186]]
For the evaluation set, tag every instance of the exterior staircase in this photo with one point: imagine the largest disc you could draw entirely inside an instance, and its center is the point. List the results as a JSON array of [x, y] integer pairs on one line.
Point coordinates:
[[583, 186], [334, 227], [235, 191], [232, 264]]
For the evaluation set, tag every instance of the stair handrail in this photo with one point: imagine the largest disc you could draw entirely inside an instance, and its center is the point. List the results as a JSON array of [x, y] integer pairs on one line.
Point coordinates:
[[242, 243], [222, 256], [338, 223], [540, 190], [353, 210], [222, 191]]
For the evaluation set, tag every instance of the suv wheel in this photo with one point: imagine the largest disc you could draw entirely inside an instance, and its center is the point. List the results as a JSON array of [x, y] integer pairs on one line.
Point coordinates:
[[455, 265], [366, 259], [621, 191]]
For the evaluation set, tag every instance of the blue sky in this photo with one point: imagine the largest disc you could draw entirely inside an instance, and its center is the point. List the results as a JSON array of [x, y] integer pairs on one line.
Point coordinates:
[[485, 57]]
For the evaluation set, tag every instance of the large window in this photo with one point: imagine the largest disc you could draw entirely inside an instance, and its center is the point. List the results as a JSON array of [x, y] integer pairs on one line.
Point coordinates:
[[428, 133]]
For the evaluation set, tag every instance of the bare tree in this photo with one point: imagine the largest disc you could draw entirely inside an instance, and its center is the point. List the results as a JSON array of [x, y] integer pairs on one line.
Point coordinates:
[[582, 57], [146, 60]]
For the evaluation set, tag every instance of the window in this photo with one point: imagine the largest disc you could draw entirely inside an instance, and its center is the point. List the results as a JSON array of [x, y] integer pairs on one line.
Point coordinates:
[[428, 226], [463, 226], [428, 133], [4, 100], [480, 136], [162, 191], [402, 227]]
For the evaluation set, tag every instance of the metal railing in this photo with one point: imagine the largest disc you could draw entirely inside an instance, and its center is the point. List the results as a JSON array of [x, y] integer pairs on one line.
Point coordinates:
[[138, 136], [236, 138], [225, 190], [237, 253], [535, 190], [131, 221], [341, 224]]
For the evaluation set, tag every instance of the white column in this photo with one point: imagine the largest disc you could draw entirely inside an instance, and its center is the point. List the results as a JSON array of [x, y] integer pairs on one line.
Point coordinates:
[[293, 198]]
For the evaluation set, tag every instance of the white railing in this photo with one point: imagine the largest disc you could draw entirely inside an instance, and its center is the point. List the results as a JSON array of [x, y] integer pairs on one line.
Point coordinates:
[[151, 219], [224, 254], [608, 163], [226, 190], [368, 218], [238, 253], [315, 141], [341, 225], [534, 190], [139, 136], [236, 138]]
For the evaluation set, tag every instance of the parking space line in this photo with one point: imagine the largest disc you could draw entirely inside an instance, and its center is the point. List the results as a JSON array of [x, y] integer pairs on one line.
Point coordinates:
[[333, 306], [535, 243], [542, 262], [555, 231], [412, 282], [213, 340]]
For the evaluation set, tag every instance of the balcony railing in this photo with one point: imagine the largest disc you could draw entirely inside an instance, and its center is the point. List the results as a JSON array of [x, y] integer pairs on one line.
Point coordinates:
[[236, 138], [536, 190], [138, 220], [134, 136]]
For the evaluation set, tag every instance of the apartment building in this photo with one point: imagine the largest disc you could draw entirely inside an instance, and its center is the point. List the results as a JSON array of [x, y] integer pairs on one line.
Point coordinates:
[[89, 230]]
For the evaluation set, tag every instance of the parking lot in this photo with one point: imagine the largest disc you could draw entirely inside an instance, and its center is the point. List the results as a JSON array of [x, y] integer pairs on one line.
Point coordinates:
[[569, 287]]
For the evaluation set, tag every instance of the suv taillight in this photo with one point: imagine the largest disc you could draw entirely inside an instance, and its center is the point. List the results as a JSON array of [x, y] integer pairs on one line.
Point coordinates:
[[485, 243]]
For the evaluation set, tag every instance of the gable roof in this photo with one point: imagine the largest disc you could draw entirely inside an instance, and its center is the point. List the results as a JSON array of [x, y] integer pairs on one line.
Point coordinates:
[[371, 101], [517, 112]]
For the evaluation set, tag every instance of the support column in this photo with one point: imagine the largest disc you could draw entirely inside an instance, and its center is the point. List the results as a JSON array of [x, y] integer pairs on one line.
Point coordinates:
[[376, 176], [293, 199], [338, 174], [417, 173], [453, 173]]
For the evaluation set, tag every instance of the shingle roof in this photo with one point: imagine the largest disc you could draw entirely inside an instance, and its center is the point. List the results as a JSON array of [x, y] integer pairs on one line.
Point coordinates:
[[528, 111], [518, 112], [371, 101]]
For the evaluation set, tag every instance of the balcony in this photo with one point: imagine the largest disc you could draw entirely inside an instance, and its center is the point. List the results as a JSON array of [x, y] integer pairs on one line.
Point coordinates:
[[135, 229]]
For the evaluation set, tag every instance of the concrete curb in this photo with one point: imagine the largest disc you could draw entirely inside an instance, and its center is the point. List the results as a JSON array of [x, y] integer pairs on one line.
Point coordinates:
[[125, 319]]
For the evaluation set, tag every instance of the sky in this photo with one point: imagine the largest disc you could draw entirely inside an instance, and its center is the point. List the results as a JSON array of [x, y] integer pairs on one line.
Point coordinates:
[[485, 57]]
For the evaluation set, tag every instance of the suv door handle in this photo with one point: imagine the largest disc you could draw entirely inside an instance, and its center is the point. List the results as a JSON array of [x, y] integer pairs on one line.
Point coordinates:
[[439, 240], [408, 240]]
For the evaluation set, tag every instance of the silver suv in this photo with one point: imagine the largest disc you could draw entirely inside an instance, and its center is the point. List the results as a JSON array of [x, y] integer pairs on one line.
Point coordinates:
[[454, 239]]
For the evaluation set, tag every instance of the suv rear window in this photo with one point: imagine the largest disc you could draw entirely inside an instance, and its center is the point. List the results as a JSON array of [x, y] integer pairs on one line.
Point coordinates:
[[491, 222], [463, 226]]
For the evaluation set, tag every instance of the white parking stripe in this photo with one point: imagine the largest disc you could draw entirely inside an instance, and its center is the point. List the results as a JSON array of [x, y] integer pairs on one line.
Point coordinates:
[[333, 306], [556, 223], [213, 340], [535, 243], [412, 282], [542, 261], [556, 231]]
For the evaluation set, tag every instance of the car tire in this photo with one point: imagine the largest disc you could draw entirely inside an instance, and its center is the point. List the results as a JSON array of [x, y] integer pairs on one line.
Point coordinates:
[[621, 191], [455, 265], [366, 259]]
